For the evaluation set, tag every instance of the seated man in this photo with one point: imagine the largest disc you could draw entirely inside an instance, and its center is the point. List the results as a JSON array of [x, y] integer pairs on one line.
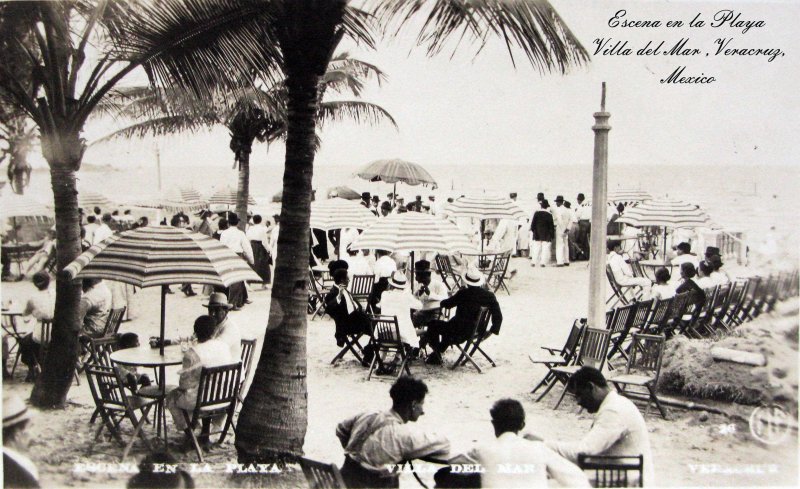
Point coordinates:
[[468, 301], [618, 427], [208, 352], [683, 254], [37, 262], [226, 330], [513, 461], [347, 313], [40, 307], [398, 302], [430, 291], [95, 306], [623, 274], [374, 441]]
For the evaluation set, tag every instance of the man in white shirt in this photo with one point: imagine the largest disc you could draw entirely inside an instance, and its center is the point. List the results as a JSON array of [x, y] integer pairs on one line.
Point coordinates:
[[618, 427], [430, 290], [237, 241], [512, 461], [258, 231], [226, 330], [684, 255], [103, 231], [385, 266], [90, 227], [622, 271], [357, 263], [561, 219], [397, 301]]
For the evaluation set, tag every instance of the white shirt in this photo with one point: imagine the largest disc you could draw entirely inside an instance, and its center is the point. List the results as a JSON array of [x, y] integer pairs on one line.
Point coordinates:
[[102, 232], [505, 235], [705, 282], [437, 291], [561, 217], [619, 266], [398, 302], [618, 429], [357, 265], [346, 238], [237, 241], [662, 292], [686, 258], [512, 461], [385, 267], [256, 232], [583, 213], [229, 333], [720, 278], [90, 230]]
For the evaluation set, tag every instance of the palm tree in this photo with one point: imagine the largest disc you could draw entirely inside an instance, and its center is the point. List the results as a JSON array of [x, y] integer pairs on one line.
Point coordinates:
[[63, 91], [256, 114]]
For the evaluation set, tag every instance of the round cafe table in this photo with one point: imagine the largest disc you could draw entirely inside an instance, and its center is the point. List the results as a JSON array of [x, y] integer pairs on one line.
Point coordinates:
[[151, 357]]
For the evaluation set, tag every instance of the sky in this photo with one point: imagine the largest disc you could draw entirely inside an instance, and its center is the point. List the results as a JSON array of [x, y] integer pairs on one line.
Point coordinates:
[[468, 110]]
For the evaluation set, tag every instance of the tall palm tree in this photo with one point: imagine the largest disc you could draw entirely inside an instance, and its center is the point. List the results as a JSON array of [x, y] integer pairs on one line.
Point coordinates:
[[64, 90], [255, 113]]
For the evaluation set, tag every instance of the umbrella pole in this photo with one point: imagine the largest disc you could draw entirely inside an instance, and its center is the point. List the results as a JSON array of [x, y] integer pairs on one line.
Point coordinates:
[[163, 315], [394, 195], [412, 272], [483, 228], [665, 244]]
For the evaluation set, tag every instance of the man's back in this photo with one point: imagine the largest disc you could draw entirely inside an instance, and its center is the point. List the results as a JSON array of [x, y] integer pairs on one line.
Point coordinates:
[[468, 302], [512, 461]]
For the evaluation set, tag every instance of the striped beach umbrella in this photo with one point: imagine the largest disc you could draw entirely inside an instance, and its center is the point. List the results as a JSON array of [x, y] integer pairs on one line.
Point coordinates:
[[227, 196], [665, 213], [161, 255], [628, 197], [89, 199], [396, 170], [339, 213], [485, 207], [414, 231], [13, 205]]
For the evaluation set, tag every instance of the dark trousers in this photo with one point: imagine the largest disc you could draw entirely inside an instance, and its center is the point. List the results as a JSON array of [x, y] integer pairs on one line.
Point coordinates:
[[441, 334], [584, 232], [355, 323], [356, 476]]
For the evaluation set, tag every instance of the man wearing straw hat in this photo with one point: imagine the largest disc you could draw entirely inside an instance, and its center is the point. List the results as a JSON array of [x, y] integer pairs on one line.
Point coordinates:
[[430, 291], [226, 329], [397, 301], [18, 469], [467, 302]]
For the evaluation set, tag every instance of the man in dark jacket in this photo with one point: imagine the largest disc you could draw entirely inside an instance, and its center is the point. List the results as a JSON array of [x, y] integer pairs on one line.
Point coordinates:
[[468, 301], [347, 313], [544, 231]]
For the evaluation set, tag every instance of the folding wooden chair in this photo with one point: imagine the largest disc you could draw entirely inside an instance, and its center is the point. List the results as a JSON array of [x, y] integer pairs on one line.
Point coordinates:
[[352, 344], [480, 333], [320, 475], [637, 269], [643, 368], [720, 307], [445, 269], [620, 294], [99, 352], [613, 471], [619, 330], [658, 314], [675, 314], [771, 293], [316, 299], [562, 356], [114, 321], [640, 318], [592, 353], [497, 275], [248, 346], [750, 300], [216, 396], [698, 324], [10, 329], [386, 344], [115, 405], [361, 287]]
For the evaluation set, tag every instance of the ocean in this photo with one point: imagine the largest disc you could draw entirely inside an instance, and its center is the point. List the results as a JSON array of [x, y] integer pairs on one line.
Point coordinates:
[[753, 200]]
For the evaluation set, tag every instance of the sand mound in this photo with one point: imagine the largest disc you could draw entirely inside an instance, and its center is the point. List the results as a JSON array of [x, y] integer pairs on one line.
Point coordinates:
[[689, 368]]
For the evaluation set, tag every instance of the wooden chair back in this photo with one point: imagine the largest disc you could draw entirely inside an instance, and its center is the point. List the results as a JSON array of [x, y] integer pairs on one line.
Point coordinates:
[[217, 391], [680, 303], [321, 475], [571, 345], [659, 313], [114, 321], [445, 269], [594, 348], [636, 267], [248, 345], [386, 331], [100, 350], [737, 300], [647, 352], [613, 471], [497, 275], [619, 294], [106, 388], [642, 314], [361, 287], [623, 316]]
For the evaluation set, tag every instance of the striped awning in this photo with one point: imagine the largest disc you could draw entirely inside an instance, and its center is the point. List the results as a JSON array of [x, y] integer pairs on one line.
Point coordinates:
[[88, 199], [665, 213], [162, 255], [485, 207], [227, 196], [339, 213], [628, 197], [13, 205], [414, 231], [393, 171]]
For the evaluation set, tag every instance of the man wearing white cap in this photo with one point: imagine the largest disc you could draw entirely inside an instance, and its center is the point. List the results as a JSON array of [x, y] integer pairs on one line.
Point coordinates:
[[18, 469], [397, 301], [468, 302]]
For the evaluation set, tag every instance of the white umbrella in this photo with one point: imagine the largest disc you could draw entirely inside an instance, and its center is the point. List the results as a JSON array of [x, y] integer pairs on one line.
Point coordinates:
[[666, 213], [485, 207], [414, 231], [339, 213], [13, 205]]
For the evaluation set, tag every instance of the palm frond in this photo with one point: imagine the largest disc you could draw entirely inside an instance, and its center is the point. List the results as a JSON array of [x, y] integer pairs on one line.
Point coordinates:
[[353, 110], [532, 26], [161, 126]]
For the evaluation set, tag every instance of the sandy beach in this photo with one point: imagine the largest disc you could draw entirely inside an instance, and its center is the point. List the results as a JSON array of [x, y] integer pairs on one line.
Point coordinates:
[[692, 448]]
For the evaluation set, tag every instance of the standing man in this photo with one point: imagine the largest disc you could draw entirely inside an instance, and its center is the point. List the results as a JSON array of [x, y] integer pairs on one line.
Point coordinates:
[[583, 215], [237, 241], [542, 229], [226, 329], [376, 205], [531, 462], [562, 218], [104, 230], [618, 427], [374, 442]]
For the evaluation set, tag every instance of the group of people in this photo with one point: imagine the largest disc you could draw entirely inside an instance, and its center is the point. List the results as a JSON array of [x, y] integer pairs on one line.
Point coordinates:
[[418, 311], [376, 442], [695, 275]]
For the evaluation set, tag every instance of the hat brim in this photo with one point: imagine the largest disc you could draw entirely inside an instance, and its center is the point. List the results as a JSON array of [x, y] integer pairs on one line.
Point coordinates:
[[480, 281], [217, 304], [398, 285]]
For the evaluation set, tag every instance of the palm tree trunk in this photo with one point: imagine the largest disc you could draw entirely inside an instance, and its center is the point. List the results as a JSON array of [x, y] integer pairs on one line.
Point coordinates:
[[243, 192], [64, 154], [274, 417]]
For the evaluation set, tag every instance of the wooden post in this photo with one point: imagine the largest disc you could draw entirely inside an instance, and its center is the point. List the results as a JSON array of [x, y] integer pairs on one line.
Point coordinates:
[[597, 262]]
